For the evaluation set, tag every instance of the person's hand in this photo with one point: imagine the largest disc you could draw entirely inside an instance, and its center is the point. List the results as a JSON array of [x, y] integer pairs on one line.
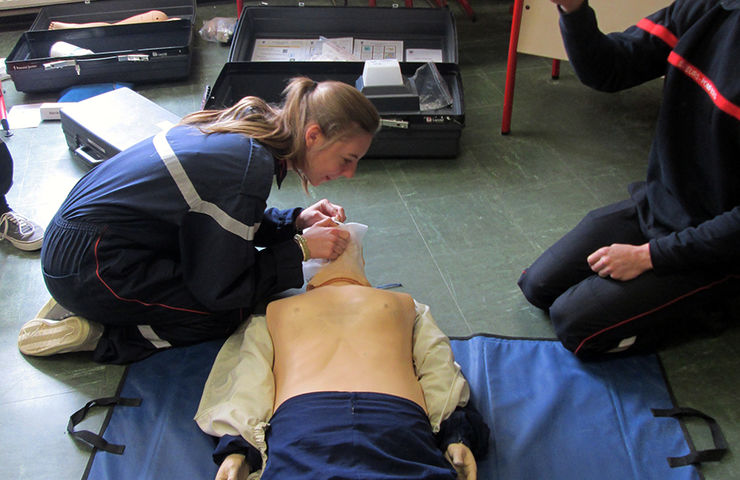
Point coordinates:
[[317, 212], [460, 456], [325, 240], [620, 261], [234, 467], [568, 5]]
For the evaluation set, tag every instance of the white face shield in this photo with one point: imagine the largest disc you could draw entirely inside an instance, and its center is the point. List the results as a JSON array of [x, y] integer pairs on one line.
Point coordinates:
[[350, 264]]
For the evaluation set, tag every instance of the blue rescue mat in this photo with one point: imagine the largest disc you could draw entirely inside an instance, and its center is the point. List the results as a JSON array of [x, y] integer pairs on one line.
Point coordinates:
[[555, 417], [551, 416]]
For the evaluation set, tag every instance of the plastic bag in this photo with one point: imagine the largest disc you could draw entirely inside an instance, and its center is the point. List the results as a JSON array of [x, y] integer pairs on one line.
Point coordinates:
[[218, 29], [432, 88], [332, 51]]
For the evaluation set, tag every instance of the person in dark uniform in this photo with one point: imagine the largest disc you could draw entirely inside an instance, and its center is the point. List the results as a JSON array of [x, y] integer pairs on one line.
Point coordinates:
[[17, 229], [632, 274], [170, 242]]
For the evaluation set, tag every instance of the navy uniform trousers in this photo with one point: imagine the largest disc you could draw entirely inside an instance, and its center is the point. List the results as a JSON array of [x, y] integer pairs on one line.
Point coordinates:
[[594, 315], [6, 175], [145, 306]]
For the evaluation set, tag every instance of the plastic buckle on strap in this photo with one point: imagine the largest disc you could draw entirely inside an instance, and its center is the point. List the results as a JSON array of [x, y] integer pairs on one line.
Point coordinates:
[[91, 438], [696, 456]]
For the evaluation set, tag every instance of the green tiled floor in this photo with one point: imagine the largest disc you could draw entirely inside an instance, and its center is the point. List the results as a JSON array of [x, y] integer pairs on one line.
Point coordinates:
[[455, 232]]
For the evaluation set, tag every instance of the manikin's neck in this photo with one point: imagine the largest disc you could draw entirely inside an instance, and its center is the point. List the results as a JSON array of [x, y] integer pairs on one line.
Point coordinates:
[[340, 280]]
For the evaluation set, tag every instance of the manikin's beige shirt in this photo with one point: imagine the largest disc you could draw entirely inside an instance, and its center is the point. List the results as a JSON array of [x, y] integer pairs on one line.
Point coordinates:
[[239, 392]]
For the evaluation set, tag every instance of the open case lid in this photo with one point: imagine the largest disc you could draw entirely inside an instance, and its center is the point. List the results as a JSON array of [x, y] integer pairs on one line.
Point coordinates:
[[268, 79], [111, 11], [417, 28]]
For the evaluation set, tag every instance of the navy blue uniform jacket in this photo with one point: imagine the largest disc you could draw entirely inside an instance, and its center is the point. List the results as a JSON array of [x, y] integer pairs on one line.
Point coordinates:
[[198, 218], [690, 204]]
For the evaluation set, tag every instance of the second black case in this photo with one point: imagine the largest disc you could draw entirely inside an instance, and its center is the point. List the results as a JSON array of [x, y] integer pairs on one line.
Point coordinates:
[[143, 52]]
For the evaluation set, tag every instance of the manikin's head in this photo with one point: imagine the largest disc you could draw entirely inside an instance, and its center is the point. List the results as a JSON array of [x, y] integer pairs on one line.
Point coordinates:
[[348, 268]]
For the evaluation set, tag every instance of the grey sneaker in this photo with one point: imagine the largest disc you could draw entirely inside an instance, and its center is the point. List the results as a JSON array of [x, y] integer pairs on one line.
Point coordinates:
[[42, 337], [20, 231]]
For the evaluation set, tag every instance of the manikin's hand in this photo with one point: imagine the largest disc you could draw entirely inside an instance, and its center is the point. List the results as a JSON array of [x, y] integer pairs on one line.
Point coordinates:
[[620, 261], [325, 240], [460, 456], [568, 5], [234, 467], [317, 212]]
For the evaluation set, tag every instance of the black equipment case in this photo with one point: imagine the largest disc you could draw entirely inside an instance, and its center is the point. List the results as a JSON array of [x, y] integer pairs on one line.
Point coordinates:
[[143, 52], [415, 133], [101, 126]]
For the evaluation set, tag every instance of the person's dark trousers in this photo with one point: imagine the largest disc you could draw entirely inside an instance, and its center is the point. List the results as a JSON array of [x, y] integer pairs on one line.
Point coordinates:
[[594, 315], [143, 311], [6, 175]]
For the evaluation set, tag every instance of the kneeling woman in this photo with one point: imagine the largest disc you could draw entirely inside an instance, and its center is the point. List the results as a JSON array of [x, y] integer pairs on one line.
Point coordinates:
[[158, 246]]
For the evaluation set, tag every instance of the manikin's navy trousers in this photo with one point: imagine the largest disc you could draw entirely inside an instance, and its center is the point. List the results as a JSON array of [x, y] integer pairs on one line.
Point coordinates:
[[593, 315], [353, 436]]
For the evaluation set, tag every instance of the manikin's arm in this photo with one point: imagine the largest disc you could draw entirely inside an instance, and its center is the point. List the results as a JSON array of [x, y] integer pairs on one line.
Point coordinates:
[[234, 467], [150, 16], [460, 430], [238, 394]]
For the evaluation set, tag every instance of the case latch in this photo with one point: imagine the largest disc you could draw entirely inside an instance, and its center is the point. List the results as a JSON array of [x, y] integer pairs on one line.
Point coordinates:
[[133, 58], [393, 123]]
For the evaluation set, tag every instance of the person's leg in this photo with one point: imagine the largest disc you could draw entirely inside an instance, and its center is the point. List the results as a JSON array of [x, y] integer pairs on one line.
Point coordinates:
[[20, 231], [6, 176], [601, 315], [142, 303], [564, 264]]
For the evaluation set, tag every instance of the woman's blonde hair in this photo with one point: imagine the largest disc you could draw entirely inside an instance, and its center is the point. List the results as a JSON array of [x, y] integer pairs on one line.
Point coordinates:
[[339, 109]]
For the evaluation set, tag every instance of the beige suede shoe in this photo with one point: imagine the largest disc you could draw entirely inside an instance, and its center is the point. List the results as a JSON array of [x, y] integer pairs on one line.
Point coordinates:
[[42, 337]]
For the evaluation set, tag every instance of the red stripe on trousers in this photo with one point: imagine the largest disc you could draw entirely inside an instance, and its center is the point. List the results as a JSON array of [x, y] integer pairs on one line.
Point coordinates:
[[636, 317], [133, 300]]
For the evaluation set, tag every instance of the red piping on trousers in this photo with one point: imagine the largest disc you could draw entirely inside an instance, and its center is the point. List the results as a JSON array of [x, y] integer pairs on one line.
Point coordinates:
[[97, 273], [624, 322]]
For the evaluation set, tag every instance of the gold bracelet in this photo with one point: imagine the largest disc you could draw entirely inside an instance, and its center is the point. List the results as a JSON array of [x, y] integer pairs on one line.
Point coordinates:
[[301, 241]]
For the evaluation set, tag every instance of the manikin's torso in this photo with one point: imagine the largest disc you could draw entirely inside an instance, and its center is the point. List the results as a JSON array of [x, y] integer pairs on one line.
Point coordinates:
[[344, 338]]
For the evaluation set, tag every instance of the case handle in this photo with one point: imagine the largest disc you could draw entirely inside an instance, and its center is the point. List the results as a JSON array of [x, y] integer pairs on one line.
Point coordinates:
[[86, 157], [93, 439], [696, 456]]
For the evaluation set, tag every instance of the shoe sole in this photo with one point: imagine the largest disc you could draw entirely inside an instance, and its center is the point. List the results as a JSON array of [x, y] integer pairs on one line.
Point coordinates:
[[26, 246], [41, 337]]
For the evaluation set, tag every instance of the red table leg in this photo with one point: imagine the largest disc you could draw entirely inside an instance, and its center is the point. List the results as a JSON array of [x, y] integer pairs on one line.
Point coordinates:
[[555, 68], [516, 23]]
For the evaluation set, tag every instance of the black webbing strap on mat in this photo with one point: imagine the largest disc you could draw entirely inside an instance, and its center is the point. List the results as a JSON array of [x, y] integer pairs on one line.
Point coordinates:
[[696, 456], [91, 438]]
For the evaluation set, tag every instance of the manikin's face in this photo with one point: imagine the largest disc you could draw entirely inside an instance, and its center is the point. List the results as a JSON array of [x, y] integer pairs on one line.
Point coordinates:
[[338, 159], [349, 265]]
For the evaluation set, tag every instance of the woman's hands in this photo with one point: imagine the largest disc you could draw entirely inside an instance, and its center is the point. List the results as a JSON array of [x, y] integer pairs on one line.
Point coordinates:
[[325, 240], [317, 212], [234, 467], [319, 225], [460, 456]]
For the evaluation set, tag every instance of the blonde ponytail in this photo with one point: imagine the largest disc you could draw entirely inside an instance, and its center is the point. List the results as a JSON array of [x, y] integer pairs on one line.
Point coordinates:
[[339, 109]]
